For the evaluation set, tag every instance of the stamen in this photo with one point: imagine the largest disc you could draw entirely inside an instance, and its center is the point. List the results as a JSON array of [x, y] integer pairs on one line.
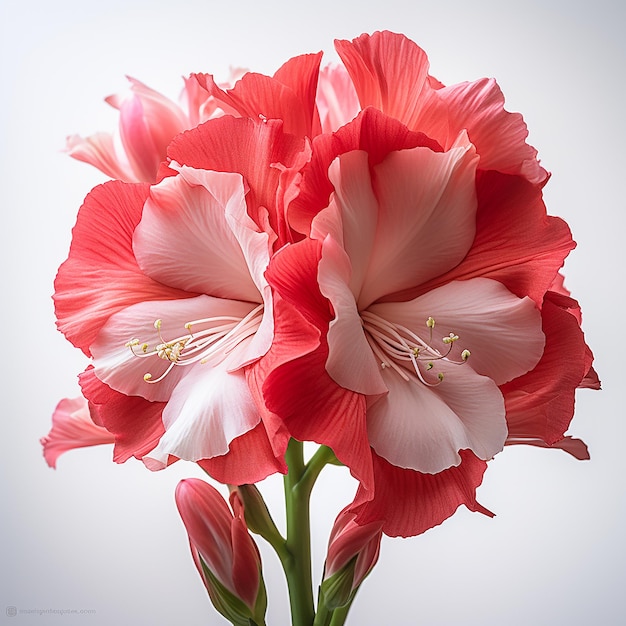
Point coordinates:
[[394, 344], [221, 336]]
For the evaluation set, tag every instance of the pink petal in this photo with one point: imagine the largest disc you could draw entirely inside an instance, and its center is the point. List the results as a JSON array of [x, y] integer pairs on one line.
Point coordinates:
[[336, 99], [207, 410], [82, 303], [424, 428], [425, 198], [118, 366], [351, 362], [248, 148], [72, 427], [516, 242], [499, 136], [409, 503], [371, 131], [501, 331], [300, 391], [184, 239], [99, 150]]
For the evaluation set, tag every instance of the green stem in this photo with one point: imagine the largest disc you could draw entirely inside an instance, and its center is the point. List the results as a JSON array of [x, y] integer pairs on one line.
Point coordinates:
[[339, 615], [297, 564], [323, 616]]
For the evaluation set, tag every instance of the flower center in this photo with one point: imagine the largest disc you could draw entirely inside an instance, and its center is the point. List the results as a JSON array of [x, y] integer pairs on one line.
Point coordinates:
[[396, 347], [205, 339]]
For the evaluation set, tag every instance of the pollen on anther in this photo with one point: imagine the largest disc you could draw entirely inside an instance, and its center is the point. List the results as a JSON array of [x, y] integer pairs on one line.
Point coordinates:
[[429, 365], [451, 338], [157, 324], [147, 377], [465, 355], [430, 322], [440, 376]]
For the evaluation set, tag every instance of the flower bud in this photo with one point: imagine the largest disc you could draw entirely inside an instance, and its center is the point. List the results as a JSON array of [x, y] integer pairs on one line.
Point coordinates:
[[224, 552], [352, 553]]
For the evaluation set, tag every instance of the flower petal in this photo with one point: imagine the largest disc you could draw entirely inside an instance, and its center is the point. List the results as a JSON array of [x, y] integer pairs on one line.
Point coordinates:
[[410, 502], [184, 239], [207, 410], [424, 428], [72, 427], [426, 221], [119, 367], [134, 422], [501, 331], [81, 304]]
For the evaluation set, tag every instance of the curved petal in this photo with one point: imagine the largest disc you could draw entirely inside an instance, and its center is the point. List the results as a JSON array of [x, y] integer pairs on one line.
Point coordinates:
[[501, 331], [72, 427], [540, 405], [426, 221], [499, 136], [350, 362], [209, 408], [134, 422], [516, 242], [184, 239], [251, 458], [389, 72], [123, 368], [410, 503], [99, 150], [424, 428], [229, 144], [101, 276]]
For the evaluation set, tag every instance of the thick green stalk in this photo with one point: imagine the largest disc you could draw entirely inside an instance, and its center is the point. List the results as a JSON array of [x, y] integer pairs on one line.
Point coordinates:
[[297, 563]]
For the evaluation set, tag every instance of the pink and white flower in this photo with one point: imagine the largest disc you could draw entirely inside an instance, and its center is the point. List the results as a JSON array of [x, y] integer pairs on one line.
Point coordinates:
[[427, 270], [173, 306]]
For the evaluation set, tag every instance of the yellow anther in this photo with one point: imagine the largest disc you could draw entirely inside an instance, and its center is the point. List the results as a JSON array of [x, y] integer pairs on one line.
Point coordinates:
[[147, 377], [144, 347], [451, 338], [430, 322], [429, 365], [416, 352], [132, 343], [157, 324], [465, 355], [188, 325], [440, 376]]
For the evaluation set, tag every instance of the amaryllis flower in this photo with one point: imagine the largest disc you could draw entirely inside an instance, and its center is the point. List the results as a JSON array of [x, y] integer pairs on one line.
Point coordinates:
[[173, 306], [72, 427], [427, 270], [225, 554]]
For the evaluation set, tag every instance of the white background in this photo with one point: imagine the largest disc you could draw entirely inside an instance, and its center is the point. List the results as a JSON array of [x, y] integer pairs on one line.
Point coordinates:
[[94, 535]]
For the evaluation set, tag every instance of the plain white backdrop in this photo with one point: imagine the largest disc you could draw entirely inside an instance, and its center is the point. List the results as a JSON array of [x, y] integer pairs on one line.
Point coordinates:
[[94, 535]]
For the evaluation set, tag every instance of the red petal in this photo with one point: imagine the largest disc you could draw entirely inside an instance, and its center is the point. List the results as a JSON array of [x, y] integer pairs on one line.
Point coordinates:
[[410, 503], [134, 422], [101, 276], [540, 404], [251, 149], [250, 458], [312, 406], [371, 131]]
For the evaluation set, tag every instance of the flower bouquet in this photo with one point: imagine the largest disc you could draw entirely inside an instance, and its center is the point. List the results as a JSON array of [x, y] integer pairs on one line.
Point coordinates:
[[355, 256]]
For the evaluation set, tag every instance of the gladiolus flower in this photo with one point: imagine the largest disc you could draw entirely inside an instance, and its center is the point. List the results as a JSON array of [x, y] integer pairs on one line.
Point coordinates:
[[224, 552], [352, 553], [72, 427]]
